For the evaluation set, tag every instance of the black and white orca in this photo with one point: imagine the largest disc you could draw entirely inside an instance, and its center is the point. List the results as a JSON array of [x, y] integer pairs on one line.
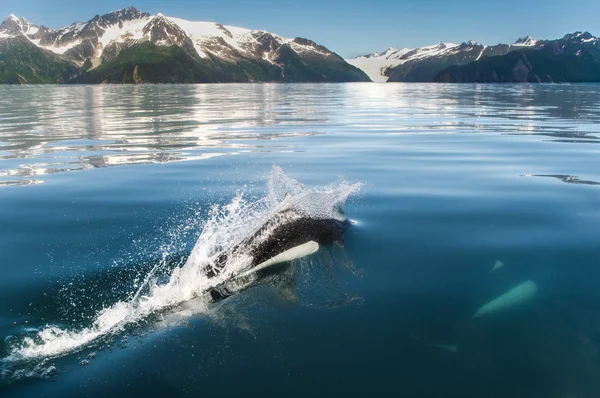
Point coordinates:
[[286, 236]]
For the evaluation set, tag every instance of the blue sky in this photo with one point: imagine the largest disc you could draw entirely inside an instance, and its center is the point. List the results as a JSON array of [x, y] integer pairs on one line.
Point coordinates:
[[350, 27]]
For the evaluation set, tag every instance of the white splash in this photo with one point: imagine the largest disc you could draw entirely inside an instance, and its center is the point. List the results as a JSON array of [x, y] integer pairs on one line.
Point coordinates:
[[226, 227]]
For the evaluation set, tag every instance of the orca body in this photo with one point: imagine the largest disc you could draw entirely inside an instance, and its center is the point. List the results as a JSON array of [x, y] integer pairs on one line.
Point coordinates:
[[284, 237]]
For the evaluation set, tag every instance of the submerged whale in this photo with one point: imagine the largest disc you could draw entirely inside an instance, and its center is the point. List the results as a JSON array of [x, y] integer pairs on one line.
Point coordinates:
[[287, 235], [514, 297]]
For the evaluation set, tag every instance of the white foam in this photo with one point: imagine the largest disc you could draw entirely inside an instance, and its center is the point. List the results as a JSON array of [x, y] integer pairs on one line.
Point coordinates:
[[225, 228]]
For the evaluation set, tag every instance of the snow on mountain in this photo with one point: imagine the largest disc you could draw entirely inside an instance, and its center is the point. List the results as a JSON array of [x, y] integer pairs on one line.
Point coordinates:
[[103, 37], [376, 64], [228, 42], [124, 31], [429, 51], [57, 41], [13, 26], [381, 67], [387, 53], [199, 51], [581, 37], [526, 41], [205, 35]]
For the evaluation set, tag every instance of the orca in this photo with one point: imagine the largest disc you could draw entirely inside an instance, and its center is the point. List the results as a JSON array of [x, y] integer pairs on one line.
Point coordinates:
[[287, 235]]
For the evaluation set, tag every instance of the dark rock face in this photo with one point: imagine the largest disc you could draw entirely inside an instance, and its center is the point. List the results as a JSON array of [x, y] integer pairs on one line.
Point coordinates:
[[574, 58], [161, 30], [83, 51], [570, 58], [11, 26], [225, 30], [165, 32], [577, 37], [92, 30], [112, 51], [425, 69], [267, 41], [64, 37], [41, 34], [527, 40], [117, 17]]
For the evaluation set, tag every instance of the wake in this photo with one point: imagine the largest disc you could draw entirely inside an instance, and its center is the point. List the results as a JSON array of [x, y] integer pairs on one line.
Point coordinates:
[[224, 229]]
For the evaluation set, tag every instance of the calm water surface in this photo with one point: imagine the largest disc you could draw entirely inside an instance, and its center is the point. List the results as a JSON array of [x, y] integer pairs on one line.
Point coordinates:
[[98, 185]]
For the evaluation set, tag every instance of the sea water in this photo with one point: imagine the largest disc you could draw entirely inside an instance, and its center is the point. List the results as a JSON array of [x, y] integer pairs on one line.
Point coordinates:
[[114, 198]]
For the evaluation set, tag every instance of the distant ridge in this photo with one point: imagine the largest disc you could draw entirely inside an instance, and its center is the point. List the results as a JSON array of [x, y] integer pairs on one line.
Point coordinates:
[[130, 46], [572, 58]]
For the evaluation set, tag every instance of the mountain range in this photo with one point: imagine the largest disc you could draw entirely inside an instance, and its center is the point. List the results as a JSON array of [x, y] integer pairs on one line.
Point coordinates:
[[572, 58], [129, 46]]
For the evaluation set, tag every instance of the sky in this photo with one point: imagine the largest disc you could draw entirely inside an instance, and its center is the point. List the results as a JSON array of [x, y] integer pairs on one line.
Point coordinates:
[[350, 27]]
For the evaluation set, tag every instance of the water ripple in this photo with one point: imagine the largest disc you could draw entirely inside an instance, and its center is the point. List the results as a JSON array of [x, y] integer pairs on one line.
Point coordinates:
[[57, 129]]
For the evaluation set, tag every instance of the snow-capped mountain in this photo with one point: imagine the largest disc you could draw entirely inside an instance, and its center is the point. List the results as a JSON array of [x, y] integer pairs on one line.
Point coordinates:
[[225, 49], [525, 41], [423, 63], [573, 58], [578, 53], [375, 65]]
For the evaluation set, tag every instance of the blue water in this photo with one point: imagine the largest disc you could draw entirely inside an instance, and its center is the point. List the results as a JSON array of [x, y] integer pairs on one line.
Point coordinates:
[[98, 185]]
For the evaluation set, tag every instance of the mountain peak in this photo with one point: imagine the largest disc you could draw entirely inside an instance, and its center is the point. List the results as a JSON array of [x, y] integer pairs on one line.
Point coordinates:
[[128, 10], [524, 39], [379, 54], [12, 25], [573, 35], [124, 14], [11, 20], [579, 36], [162, 30], [388, 52]]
